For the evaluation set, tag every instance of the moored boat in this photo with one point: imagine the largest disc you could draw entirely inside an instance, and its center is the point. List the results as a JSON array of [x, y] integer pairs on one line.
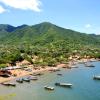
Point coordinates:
[[9, 84], [19, 80], [32, 78], [59, 74], [64, 84], [68, 67], [49, 88], [89, 65], [74, 66], [96, 77], [26, 79], [37, 74], [64, 67]]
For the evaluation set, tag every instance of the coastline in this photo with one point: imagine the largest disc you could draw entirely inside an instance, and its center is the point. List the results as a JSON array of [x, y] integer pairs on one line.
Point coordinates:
[[22, 73]]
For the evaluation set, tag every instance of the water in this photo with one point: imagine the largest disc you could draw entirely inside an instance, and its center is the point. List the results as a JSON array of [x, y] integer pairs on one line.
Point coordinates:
[[84, 87]]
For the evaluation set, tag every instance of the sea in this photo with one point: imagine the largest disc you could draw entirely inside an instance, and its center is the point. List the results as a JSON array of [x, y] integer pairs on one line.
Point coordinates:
[[81, 78]]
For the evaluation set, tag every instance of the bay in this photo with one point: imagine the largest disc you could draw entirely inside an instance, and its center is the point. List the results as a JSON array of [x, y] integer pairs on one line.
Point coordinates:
[[84, 87]]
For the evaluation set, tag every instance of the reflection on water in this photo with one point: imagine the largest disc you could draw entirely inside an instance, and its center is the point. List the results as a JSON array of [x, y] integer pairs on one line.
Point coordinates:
[[84, 87]]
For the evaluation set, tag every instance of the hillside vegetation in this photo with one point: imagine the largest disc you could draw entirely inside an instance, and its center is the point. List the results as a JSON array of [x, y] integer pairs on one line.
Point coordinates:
[[44, 44]]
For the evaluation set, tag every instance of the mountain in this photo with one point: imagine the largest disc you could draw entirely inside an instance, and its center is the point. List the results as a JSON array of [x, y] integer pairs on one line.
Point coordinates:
[[44, 33], [49, 44], [6, 28]]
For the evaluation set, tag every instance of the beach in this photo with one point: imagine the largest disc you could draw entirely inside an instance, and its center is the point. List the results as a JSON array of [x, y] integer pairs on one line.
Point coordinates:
[[17, 73], [20, 73]]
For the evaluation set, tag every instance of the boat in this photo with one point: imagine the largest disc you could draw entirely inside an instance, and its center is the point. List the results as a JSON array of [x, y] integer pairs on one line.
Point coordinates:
[[49, 88], [26, 79], [37, 74], [32, 78], [96, 77], [19, 80], [64, 84], [5, 75], [59, 74], [64, 67], [89, 65], [57, 69], [12, 84], [9, 84], [68, 67], [74, 66]]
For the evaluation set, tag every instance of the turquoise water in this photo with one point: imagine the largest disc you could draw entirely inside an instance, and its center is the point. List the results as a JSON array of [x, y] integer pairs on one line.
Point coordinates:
[[84, 87]]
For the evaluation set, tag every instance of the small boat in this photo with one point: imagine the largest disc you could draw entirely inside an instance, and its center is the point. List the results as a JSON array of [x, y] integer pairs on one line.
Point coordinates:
[[89, 65], [64, 67], [12, 84], [68, 67], [19, 80], [32, 78], [49, 88], [57, 69], [54, 69], [74, 66], [26, 79], [9, 84], [5, 75], [59, 74], [64, 84], [96, 77], [37, 74]]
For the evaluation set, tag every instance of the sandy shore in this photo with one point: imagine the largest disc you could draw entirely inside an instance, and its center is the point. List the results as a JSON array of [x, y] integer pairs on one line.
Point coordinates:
[[20, 73]]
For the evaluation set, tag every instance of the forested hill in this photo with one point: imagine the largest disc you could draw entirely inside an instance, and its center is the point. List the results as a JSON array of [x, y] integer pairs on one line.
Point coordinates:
[[47, 42], [44, 33]]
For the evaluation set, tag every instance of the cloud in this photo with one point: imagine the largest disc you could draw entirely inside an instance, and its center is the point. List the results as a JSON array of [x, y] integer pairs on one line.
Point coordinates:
[[97, 33], [87, 25], [2, 9], [33, 5]]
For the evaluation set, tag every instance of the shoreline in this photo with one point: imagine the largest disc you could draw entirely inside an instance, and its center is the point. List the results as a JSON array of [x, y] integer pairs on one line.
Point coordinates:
[[22, 73]]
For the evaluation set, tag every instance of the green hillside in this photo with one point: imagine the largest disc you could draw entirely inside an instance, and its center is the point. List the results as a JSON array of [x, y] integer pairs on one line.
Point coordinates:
[[49, 42], [44, 33]]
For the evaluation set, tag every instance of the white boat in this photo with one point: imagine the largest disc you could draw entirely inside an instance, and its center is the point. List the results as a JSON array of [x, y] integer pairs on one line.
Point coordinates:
[[74, 66], [49, 87], [64, 84], [96, 77], [89, 65]]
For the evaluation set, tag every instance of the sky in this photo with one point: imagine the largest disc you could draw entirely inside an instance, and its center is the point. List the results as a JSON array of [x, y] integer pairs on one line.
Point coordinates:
[[78, 15]]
